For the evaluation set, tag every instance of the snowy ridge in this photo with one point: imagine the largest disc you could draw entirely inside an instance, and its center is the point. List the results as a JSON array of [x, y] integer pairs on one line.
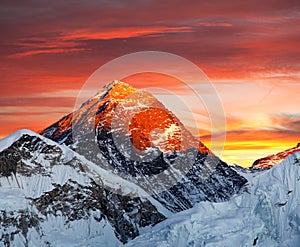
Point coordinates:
[[9, 140], [107, 177], [271, 160], [267, 213]]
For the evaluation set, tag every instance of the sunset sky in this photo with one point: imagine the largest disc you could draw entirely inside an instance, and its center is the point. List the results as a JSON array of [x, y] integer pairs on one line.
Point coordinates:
[[250, 50]]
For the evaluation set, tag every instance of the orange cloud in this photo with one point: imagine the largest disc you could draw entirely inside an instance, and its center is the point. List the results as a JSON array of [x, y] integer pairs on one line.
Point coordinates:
[[211, 24], [121, 33], [34, 118], [243, 147], [45, 51]]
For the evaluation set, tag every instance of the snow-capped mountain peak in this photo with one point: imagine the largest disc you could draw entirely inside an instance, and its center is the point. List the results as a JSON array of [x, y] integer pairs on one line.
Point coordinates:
[[146, 119], [82, 189], [130, 132], [9, 140]]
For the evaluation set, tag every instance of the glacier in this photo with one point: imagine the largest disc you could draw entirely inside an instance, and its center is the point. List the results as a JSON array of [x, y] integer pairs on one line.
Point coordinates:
[[265, 213]]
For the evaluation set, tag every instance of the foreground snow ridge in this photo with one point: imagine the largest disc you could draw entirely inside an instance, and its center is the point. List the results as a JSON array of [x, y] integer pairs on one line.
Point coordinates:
[[49, 196], [267, 213]]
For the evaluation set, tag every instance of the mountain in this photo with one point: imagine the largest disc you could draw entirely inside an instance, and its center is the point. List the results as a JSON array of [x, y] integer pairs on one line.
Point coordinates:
[[267, 213], [82, 189], [123, 170], [130, 132], [271, 160], [51, 196]]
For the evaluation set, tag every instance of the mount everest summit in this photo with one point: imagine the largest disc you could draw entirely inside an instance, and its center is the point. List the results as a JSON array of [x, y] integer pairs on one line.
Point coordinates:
[[101, 176]]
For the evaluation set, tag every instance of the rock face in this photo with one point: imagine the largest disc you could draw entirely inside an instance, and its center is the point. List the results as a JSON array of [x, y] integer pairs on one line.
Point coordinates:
[[45, 187], [130, 132], [271, 160]]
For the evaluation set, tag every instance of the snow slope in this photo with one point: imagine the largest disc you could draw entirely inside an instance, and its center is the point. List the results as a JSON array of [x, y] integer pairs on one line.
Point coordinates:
[[107, 177], [267, 213], [51, 196], [21, 224]]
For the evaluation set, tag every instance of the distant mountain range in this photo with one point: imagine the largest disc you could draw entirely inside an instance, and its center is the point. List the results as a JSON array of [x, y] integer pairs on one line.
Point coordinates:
[[271, 160], [124, 166]]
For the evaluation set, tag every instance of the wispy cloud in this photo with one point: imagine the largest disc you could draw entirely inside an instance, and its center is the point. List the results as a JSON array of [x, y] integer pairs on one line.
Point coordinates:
[[55, 102], [287, 122], [118, 33], [73, 40], [212, 24], [46, 51]]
